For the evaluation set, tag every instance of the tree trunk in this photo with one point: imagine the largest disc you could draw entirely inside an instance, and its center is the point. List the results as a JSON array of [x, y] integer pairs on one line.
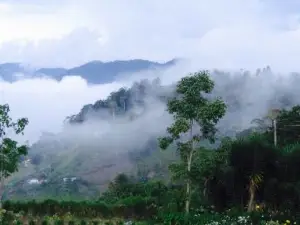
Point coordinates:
[[251, 197], [205, 187], [187, 201], [189, 166], [188, 184]]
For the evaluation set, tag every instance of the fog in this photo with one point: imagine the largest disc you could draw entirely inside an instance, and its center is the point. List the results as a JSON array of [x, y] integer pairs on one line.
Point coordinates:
[[248, 94], [121, 134], [47, 103]]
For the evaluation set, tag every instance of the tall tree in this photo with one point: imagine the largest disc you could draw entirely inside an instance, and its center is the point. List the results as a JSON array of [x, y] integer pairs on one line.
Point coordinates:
[[10, 151], [195, 117]]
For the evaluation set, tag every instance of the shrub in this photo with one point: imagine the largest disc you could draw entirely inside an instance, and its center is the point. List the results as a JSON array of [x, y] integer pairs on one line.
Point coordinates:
[[17, 222], [59, 222], [45, 222], [71, 222], [83, 222], [31, 222]]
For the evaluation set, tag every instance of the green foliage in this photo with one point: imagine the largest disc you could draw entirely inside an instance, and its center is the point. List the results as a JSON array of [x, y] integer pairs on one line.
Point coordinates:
[[10, 151], [222, 181], [191, 105], [192, 108], [227, 218], [45, 222], [18, 222], [59, 222], [6, 121], [32, 222], [83, 222], [95, 222], [288, 126], [134, 206]]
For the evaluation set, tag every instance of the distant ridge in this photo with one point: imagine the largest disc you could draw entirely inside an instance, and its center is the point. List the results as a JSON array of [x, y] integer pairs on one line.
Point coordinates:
[[95, 72]]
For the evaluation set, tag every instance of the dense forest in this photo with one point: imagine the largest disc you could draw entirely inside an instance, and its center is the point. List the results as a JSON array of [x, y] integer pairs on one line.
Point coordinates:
[[206, 166]]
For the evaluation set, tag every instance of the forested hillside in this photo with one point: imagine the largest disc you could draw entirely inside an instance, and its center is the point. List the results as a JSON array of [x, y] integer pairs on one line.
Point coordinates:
[[120, 133], [174, 159]]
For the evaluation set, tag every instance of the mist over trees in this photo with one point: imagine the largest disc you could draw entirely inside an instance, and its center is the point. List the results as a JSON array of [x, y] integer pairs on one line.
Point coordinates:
[[214, 166], [137, 116], [10, 150], [248, 96]]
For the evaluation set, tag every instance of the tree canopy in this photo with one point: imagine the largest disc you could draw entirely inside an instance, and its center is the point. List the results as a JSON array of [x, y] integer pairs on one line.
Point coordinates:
[[192, 110], [10, 151]]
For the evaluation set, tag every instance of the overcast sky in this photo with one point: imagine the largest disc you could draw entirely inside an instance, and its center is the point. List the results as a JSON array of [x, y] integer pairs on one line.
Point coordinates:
[[215, 33], [232, 33]]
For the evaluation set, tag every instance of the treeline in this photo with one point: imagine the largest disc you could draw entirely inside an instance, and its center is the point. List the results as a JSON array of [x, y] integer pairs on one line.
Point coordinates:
[[124, 199], [120, 102], [123, 100], [131, 207]]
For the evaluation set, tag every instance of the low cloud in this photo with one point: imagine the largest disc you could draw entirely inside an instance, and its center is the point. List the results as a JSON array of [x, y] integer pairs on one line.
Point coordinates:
[[47, 102]]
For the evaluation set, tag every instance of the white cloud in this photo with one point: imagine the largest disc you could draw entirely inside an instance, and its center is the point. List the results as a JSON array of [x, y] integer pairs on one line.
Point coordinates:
[[66, 33], [46, 103]]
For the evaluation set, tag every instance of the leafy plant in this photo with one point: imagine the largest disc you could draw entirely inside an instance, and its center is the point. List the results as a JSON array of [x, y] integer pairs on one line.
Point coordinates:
[[191, 110]]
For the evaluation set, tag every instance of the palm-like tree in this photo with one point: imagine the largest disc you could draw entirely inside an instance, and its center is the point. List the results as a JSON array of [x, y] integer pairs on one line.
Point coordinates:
[[254, 181]]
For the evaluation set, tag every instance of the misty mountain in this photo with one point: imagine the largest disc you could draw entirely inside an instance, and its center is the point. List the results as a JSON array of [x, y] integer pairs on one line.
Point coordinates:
[[96, 152], [95, 72], [119, 133], [129, 102]]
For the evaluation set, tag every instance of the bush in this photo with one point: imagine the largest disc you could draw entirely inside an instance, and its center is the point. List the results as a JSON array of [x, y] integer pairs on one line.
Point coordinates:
[[45, 222], [51, 207], [133, 206], [83, 222], [31, 222], [18, 222], [71, 222], [59, 222]]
